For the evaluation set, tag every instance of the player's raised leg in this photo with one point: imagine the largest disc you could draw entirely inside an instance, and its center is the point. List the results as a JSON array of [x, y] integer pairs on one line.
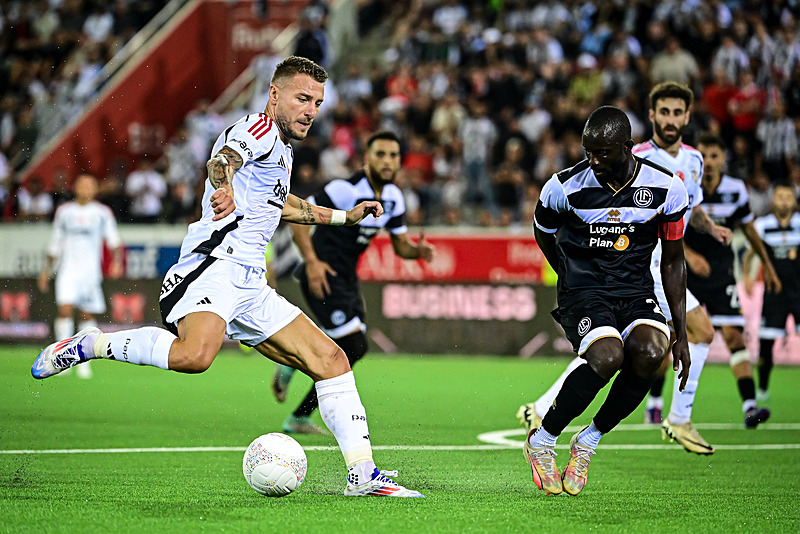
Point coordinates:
[[530, 415], [200, 337], [302, 345]]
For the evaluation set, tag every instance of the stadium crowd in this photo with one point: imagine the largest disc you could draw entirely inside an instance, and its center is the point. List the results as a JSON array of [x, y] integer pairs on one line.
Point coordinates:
[[489, 97]]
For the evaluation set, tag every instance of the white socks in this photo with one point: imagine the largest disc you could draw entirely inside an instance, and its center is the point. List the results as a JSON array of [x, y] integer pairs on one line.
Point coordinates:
[[542, 438], [63, 327], [681, 409], [590, 436], [543, 403], [148, 345], [342, 411]]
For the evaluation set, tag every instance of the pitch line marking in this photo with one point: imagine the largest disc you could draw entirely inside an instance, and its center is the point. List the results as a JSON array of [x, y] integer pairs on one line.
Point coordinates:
[[500, 437]]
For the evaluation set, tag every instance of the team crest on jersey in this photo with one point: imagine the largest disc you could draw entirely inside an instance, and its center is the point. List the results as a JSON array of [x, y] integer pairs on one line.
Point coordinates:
[[584, 325], [643, 197], [338, 317], [613, 216]]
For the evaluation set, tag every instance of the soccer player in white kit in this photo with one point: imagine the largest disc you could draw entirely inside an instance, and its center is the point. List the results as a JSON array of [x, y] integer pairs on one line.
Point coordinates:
[[218, 287], [79, 229], [669, 114]]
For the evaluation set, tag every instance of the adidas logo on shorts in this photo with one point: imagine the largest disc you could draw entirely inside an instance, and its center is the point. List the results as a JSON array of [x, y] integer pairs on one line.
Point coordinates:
[[206, 300]]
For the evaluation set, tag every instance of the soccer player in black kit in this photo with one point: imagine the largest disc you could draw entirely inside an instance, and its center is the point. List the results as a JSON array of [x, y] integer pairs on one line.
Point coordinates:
[[597, 224], [328, 276], [711, 268]]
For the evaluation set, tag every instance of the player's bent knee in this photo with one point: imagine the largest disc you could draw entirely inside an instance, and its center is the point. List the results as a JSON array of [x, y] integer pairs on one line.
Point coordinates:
[[191, 359], [328, 364], [605, 356]]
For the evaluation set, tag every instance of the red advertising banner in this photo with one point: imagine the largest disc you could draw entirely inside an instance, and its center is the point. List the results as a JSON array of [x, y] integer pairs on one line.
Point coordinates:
[[496, 258]]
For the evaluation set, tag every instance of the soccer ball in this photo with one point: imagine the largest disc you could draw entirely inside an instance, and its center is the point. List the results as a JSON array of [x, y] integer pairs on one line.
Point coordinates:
[[274, 465]]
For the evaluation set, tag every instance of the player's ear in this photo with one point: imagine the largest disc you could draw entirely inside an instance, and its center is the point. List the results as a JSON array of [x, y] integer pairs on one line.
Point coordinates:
[[274, 91]]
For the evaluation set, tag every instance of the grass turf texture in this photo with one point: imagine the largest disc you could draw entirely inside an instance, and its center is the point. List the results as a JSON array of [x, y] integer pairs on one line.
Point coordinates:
[[411, 401]]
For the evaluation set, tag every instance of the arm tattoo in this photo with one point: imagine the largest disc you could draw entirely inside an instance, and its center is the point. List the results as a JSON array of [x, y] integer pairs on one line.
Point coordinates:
[[222, 166], [306, 213], [700, 221]]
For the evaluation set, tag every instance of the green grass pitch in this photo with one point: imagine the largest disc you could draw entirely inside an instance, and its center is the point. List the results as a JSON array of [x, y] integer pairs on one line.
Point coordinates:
[[426, 415]]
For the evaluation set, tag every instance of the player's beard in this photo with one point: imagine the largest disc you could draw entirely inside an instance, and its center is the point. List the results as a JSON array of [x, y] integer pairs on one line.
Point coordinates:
[[285, 126], [669, 138], [377, 176]]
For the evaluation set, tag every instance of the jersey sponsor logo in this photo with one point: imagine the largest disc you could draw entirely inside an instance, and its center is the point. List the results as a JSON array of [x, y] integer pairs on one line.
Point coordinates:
[[261, 127], [643, 197], [622, 242], [280, 191], [170, 283], [584, 325], [244, 147]]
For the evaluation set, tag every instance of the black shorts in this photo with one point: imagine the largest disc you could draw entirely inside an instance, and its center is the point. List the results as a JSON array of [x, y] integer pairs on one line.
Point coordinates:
[[341, 308], [775, 310], [598, 316], [718, 293]]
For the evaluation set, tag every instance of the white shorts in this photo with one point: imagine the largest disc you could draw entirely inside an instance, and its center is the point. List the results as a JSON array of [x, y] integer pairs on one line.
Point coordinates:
[[239, 294], [658, 289], [85, 295]]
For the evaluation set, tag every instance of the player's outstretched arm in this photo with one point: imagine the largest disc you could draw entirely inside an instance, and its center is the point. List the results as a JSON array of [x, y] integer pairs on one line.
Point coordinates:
[[406, 249], [771, 280], [700, 221], [220, 173], [673, 273], [299, 211]]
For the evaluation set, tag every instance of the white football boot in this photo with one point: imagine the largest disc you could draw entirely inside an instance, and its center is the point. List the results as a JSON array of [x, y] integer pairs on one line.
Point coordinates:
[[380, 486], [62, 355]]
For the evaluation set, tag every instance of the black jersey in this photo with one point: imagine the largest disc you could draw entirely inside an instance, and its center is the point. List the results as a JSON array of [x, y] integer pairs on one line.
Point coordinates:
[[727, 206], [605, 237], [341, 246], [783, 248]]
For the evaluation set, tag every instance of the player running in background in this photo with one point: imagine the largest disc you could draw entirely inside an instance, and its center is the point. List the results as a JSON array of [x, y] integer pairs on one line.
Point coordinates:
[[328, 278], [780, 233], [597, 224], [711, 267], [79, 229], [218, 287], [669, 113]]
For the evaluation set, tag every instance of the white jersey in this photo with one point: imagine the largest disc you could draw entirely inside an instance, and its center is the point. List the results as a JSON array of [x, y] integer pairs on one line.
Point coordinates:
[[78, 235], [688, 166], [260, 188]]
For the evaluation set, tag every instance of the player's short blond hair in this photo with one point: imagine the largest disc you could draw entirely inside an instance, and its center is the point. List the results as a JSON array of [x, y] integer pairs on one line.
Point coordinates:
[[294, 65]]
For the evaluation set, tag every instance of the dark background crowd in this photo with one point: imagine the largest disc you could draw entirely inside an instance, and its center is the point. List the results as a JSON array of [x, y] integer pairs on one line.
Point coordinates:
[[489, 97]]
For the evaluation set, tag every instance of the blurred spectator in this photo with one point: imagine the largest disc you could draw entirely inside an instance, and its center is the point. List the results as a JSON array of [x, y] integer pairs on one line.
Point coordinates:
[[478, 135], [99, 25], [204, 125], [354, 85], [714, 102], [730, 57], [586, 88], [446, 119], [449, 16], [145, 188], [741, 163], [746, 106], [509, 180], [33, 202], [760, 189], [183, 173], [550, 160], [778, 137], [535, 120], [25, 133], [674, 64]]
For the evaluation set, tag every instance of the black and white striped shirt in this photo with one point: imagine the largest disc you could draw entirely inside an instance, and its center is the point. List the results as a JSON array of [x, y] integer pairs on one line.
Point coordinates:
[[605, 237]]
